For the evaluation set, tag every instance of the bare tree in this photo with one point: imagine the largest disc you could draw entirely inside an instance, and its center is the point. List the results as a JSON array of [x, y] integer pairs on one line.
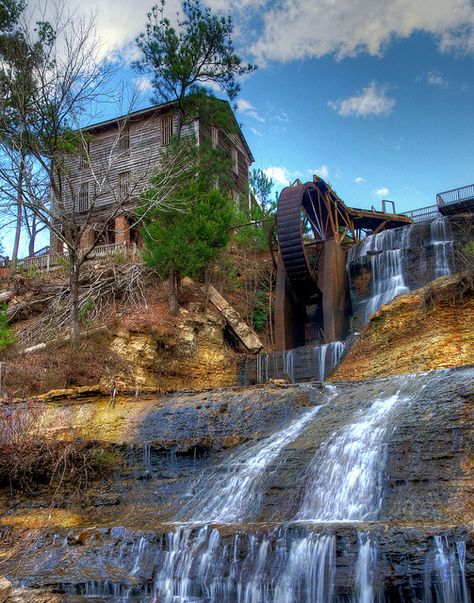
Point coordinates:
[[59, 153]]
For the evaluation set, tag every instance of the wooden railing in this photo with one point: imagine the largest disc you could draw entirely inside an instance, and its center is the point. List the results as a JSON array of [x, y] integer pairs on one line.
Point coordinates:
[[102, 251], [45, 261]]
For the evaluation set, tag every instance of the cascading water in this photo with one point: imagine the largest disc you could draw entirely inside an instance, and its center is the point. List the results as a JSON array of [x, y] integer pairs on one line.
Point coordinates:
[[364, 569], [289, 365], [335, 349], [262, 368], [314, 557], [443, 246], [298, 365], [445, 578], [344, 482], [396, 261], [386, 253], [234, 494]]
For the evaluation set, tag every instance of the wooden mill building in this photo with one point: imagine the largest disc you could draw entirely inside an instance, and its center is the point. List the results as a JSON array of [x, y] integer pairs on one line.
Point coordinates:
[[121, 154]]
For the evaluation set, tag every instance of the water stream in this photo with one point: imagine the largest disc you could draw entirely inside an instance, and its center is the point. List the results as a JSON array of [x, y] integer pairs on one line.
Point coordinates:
[[344, 482], [231, 493], [397, 262], [296, 562], [329, 550]]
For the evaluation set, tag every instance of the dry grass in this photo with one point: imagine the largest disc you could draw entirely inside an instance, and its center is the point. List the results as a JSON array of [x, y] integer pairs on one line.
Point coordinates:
[[29, 458], [59, 367]]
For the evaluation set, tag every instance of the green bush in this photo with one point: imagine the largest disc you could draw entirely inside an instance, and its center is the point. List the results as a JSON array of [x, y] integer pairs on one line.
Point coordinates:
[[7, 337]]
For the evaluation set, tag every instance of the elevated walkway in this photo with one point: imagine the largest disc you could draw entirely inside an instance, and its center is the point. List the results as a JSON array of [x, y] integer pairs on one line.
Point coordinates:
[[456, 201]]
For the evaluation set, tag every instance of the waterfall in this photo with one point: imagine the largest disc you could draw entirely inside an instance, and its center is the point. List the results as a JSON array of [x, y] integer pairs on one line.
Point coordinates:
[[300, 364], [445, 578], [235, 494], [386, 253], [387, 280], [396, 261], [364, 568], [443, 246], [309, 573], [335, 349], [344, 480], [289, 365], [147, 458], [217, 556], [262, 368]]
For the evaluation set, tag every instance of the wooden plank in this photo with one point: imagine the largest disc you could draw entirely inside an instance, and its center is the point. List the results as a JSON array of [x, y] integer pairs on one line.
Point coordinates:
[[239, 327]]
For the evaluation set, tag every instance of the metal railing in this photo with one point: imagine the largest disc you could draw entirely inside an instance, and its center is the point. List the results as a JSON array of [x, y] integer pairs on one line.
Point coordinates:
[[423, 214], [455, 195]]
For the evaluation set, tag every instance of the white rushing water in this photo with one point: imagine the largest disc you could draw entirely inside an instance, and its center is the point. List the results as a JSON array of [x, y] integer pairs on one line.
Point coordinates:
[[391, 254], [309, 573], [327, 357], [443, 246], [364, 568], [297, 561], [289, 365], [445, 578], [344, 480], [236, 493], [386, 252]]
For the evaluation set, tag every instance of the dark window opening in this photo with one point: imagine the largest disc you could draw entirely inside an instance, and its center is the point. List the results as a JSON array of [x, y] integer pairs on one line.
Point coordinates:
[[166, 129], [83, 201]]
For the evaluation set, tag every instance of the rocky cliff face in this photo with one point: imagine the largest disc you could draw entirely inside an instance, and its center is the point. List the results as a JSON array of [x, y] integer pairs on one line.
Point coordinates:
[[190, 354], [176, 448], [132, 354], [427, 329]]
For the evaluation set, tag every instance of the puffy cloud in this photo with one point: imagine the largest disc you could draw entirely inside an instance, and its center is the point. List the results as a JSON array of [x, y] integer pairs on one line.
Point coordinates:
[[299, 29], [244, 106], [382, 192], [143, 83], [434, 78], [359, 180], [322, 171], [280, 175], [373, 100], [117, 22]]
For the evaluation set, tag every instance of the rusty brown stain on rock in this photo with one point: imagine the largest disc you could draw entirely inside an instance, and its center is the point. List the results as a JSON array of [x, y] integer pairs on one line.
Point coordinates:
[[406, 337]]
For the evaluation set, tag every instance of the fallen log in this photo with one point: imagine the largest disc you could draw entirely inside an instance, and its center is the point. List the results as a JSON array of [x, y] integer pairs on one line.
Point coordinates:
[[238, 326], [5, 296]]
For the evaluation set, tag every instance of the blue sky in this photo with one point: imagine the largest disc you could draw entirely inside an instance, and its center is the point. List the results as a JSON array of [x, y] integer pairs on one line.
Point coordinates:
[[402, 121], [377, 96]]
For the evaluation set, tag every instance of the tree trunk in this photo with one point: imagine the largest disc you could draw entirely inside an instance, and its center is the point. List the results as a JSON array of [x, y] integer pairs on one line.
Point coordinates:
[[32, 241], [19, 214], [173, 291], [74, 297]]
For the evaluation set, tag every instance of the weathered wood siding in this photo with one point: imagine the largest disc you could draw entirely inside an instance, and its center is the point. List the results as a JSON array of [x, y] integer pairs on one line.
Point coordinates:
[[108, 161]]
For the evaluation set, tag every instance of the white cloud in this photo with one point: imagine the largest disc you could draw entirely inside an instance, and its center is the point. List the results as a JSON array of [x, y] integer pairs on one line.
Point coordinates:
[[382, 192], [299, 29], [434, 78], [281, 175], [256, 132], [244, 106], [143, 83], [282, 117], [359, 180], [322, 172], [373, 100]]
